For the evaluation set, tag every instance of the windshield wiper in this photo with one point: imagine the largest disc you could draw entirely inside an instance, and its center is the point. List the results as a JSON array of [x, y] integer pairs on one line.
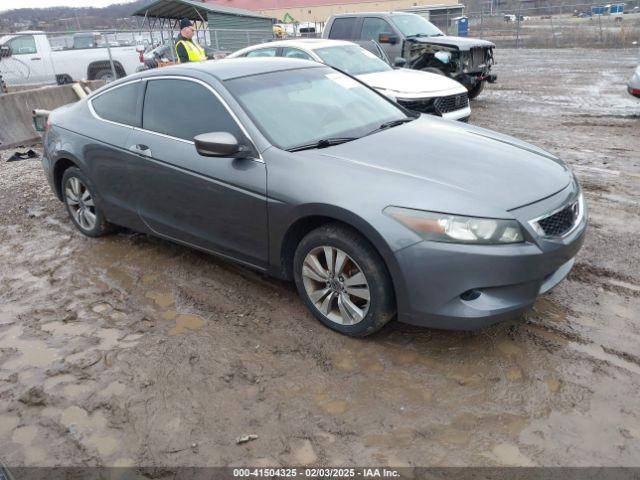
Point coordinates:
[[391, 124], [324, 143]]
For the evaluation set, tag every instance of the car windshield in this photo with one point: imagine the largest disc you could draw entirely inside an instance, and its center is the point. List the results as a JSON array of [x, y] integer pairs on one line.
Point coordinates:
[[414, 25], [299, 107], [352, 59]]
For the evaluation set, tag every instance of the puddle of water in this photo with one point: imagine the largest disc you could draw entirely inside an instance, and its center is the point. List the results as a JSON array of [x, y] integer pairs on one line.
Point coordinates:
[[69, 329], [101, 308], [509, 348], [510, 455], [169, 314], [332, 407], [51, 382], [514, 374], [162, 299], [304, 454], [105, 445], [7, 424], [553, 384], [33, 353], [114, 388], [185, 323], [78, 420], [25, 435], [74, 391]]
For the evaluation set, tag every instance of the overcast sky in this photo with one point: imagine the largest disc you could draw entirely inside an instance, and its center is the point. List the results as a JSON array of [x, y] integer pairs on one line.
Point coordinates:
[[11, 4]]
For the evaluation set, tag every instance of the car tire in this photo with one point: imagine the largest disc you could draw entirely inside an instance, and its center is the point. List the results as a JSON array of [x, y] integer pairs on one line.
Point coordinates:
[[337, 296], [476, 90], [79, 196]]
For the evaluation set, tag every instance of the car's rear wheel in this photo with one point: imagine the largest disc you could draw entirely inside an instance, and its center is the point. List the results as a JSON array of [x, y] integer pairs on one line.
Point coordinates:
[[83, 208], [105, 75], [343, 281]]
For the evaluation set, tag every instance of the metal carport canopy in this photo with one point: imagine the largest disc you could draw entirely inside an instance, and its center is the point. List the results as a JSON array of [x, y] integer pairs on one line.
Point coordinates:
[[191, 9]]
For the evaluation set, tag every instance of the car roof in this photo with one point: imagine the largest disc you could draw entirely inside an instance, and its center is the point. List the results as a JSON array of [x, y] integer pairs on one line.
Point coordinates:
[[309, 43], [369, 14], [227, 69]]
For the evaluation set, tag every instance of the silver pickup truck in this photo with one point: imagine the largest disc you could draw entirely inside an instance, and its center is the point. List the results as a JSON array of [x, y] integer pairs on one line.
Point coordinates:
[[411, 41]]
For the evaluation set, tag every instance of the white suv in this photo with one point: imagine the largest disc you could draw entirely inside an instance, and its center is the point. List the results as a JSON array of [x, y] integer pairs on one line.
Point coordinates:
[[419, 91]]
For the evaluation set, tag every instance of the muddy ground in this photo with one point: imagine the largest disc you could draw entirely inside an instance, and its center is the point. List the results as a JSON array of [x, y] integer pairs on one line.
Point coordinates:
[[129, 350]]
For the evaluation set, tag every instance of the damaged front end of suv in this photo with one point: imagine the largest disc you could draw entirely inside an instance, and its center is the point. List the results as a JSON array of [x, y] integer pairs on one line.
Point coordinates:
[[468, 61]]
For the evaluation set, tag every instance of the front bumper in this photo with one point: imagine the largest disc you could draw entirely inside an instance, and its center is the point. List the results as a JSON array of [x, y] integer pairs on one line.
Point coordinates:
[[467, 287]]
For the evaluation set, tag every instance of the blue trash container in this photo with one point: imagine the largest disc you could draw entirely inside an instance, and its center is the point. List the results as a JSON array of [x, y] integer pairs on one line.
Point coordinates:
[[463, 26]]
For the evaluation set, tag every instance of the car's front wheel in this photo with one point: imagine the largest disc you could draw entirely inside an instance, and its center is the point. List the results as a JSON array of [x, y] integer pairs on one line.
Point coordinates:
[[344, 281], [476, 89], [79, 198]]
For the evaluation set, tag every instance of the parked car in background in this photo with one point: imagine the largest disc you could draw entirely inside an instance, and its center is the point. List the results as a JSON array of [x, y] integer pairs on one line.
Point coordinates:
[[634, 84], [416, 43], [419, 91], [372, 212], [39, 64]]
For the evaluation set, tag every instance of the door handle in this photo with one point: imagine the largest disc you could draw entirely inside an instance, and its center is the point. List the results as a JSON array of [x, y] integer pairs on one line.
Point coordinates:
[[35, 58], [141, 150]]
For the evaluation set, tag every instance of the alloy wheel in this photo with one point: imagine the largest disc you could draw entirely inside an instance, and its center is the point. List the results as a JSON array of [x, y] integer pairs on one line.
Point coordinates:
[[336, 285], [80, 203]]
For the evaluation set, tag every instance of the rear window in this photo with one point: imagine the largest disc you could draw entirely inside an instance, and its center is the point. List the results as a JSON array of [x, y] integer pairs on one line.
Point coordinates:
[[119, 105], [343, 28]]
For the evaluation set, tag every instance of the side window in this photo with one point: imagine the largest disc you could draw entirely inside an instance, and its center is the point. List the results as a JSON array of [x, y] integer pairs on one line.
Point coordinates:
[[342, 28], [23, 45], [373, 27], [295, 53], [119, 105], [184, 109], [263, 52]]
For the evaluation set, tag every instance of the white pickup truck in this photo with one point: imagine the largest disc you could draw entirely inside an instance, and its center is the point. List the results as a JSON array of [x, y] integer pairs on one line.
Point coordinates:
[[26, 58]]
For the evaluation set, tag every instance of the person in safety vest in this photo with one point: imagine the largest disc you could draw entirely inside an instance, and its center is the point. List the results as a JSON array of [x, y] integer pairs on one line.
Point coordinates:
[[187, 49]]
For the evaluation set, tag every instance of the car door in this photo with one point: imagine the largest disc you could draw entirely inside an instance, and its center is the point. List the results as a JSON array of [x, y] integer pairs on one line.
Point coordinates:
[[216, 204], [116, 111], [375, 27], [32, 63]]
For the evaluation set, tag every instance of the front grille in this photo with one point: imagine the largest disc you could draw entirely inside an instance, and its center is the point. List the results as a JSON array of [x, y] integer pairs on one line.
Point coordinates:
[[422, 106], [451, 103], [561, 222], [437, 106], [478, 56]]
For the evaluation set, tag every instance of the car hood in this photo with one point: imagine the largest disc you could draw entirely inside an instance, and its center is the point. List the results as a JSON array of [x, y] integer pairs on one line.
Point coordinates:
[[485, 168], [412, 82], [462, 43]]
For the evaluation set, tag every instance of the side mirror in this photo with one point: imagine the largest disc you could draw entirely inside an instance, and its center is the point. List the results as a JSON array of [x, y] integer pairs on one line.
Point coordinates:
[[387, 38], [220, 144], [399, 62], [5, 51]]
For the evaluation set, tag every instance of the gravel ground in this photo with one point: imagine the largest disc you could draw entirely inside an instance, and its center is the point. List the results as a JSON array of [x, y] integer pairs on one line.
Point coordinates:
[[129, 350]]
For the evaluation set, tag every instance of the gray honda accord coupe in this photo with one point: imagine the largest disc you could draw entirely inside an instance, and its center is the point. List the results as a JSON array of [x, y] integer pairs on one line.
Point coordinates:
[[305, 173]]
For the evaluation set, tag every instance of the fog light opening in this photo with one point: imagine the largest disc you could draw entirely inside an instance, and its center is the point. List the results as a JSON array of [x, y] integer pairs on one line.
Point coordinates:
[[471, 295]]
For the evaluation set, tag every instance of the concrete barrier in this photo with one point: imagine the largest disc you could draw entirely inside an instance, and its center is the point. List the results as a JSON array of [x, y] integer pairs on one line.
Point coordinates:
[[16, 125]]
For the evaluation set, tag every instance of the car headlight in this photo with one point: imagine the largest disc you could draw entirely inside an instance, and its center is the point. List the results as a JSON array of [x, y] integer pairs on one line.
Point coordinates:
[[442, 227]]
